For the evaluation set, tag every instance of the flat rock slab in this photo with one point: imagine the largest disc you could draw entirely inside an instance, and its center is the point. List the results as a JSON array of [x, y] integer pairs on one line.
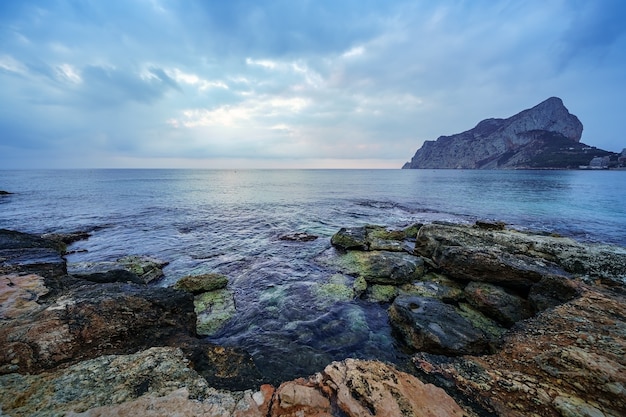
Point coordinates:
[[539, 252], [23, 253]]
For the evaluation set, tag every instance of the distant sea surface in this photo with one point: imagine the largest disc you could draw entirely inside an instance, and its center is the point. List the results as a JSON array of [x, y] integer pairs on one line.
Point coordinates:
[[231, 222]]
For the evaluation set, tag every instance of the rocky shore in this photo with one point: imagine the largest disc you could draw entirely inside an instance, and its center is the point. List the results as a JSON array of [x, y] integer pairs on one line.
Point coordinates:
[[498, 322]]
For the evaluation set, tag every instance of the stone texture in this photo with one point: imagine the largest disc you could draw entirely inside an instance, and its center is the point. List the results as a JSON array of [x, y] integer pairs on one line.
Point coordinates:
[[19, 295], [566, 361], [23, 253], [427, 324], [147, 268], [213, 310], [92, 320], [157, 381], [380, 267], [502, 143], [495, 302], [547, 254], [197, 284]]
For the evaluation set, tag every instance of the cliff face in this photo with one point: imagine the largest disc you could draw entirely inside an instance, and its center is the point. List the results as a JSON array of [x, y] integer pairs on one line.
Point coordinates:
[[515, 142]]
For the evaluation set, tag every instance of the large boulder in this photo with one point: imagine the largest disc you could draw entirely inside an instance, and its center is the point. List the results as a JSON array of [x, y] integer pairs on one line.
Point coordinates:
[[537, 253], [372, 237], [427, 324], [92, 320], [356, 388]]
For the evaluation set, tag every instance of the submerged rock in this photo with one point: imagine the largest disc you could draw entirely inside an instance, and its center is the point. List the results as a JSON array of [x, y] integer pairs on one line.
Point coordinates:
[[380, 267], [298, 237], [213, 310]]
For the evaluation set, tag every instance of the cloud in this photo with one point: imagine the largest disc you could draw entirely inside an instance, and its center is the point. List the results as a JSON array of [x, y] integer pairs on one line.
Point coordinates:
[[279, 80]]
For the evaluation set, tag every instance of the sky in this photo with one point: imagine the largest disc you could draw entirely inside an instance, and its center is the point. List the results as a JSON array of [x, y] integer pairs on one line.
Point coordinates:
[[293, 84]]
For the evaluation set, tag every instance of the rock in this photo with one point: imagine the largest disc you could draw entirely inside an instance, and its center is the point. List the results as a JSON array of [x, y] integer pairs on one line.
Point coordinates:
[[566, 361], [359, 286], [146, 268], [93, 320], [65, 239], [362, 388], [336, 289], [547, 255], [4, 192], [23, 253], [523, 140], [551, 291], [156, 381], [350, 238], [381, 293], [486, 225], [298, 237], [375, 238], [380, 267], [429, 325], [19, 295], [518, 272], [213, 310], [197, 284], [115, 275], [297, 398], [497, 303], [434, 285], [223, 367]]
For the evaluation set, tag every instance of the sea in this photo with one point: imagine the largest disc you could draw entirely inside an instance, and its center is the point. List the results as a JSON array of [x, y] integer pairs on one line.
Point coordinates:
[[231, 222]]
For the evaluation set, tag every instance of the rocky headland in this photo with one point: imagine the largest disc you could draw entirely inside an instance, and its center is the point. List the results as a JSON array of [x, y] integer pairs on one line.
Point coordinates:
[[546, 136], [498, 322]]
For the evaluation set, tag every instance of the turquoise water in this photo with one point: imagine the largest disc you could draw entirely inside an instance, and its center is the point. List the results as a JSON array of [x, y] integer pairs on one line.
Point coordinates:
[[230, 222]]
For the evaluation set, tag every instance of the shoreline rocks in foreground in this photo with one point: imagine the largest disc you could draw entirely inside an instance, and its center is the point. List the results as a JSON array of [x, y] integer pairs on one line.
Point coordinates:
[[500, 323]]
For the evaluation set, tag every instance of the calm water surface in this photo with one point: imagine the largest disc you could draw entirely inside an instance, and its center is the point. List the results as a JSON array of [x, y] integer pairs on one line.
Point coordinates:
[[230, 222]]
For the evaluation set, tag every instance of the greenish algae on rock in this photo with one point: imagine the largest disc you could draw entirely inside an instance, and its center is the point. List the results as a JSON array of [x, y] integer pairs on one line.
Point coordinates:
[[380, 267], [213, 309], [336, 289], [197, 284]]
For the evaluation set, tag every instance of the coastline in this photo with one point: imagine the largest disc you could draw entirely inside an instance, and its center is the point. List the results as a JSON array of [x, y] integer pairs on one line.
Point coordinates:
[[452, 272]]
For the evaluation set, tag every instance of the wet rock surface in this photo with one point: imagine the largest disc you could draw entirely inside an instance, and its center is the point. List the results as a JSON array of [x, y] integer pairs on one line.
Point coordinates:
[[569, 361], [427, 324], [503, 323]]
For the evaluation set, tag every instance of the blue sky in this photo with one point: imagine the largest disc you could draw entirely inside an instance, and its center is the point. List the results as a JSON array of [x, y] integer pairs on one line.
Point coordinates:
[[286, 84]]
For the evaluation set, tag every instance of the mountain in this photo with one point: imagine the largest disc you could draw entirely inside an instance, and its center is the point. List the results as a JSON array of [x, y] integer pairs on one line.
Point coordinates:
[[545, 136]]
